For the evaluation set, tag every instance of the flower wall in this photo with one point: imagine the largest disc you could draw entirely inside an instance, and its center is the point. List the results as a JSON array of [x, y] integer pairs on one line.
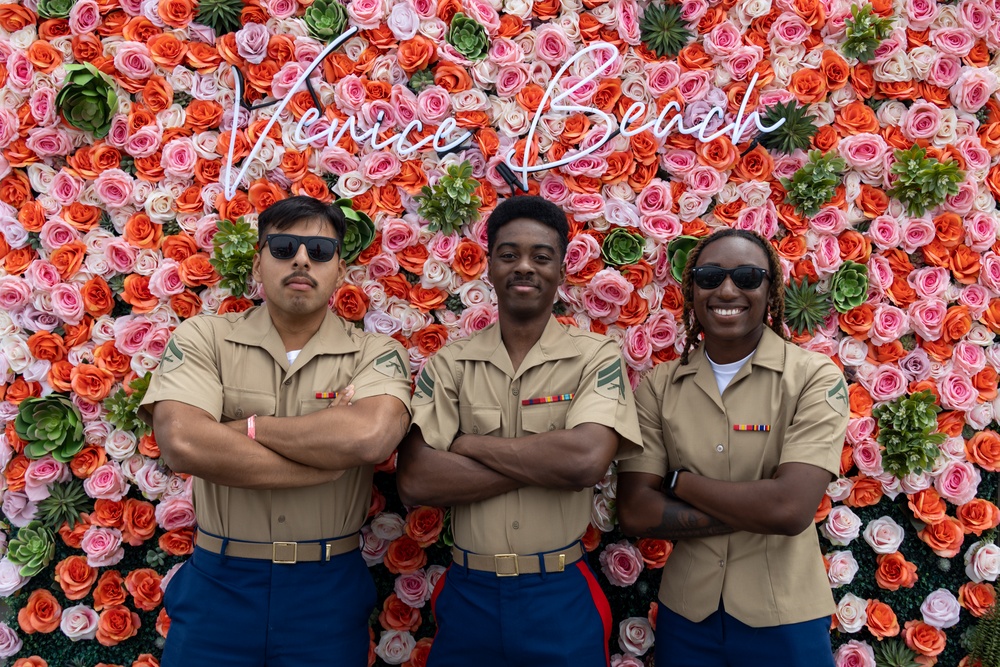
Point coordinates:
[[879, 193]]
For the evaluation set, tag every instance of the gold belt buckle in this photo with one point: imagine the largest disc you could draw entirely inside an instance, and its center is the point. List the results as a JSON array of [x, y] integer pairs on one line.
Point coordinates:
[[294, 546], [505, 571]]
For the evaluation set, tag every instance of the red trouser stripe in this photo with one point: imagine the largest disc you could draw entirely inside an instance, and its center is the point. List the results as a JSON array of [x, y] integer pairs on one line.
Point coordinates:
[[600, 601]]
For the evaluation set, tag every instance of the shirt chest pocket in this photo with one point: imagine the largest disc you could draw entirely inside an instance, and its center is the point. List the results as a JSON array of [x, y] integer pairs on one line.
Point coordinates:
[[479, 420], [307, 406], [544, 417], [240, 403]]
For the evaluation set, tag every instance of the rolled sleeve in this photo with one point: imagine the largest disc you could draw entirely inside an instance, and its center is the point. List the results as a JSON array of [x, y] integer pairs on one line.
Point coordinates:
[[435, 402], [378, 375], [816, 434], [188, 370]]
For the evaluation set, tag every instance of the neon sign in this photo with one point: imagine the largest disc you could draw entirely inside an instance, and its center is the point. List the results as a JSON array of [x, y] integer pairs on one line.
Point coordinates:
[[659, 125]]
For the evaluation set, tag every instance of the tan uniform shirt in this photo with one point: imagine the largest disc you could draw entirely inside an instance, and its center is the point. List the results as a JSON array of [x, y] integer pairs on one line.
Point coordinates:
[[763, 580], [235, 365], [470, 386]]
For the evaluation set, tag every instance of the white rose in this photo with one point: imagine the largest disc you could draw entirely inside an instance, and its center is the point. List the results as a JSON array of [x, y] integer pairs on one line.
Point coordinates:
[[395, 647], [11, 580], [851, 613], [941, 609], [388, 525], [982, 562], [884, 535], [841, 526], [519, 8], [841, 568], [635, 635], [120, 444], [79, 622]]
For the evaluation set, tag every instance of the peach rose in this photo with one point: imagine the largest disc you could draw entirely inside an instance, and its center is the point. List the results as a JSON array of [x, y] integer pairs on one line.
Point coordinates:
[[881, 621], [923, 638], [424, 525], [117, 624], [75, 577], [41, 613], [404, 555]]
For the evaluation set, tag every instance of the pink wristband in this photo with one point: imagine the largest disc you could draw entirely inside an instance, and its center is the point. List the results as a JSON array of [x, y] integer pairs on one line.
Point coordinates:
[[252, 427]]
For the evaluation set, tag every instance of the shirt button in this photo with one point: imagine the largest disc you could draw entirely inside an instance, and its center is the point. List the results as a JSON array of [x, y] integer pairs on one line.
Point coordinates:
[[719, 448], [288, 382], [475, 429], [552, 427], [515, 525], [515, 391], [722, 563], [281, 519], [239, 412]]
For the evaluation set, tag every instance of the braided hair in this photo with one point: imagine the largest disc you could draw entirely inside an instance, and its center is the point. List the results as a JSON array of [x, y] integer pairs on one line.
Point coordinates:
[[774, 316]]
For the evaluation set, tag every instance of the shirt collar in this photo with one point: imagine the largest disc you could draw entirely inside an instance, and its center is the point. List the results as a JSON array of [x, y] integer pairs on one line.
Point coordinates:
[[487, 345], [257, 329], [770, 353]]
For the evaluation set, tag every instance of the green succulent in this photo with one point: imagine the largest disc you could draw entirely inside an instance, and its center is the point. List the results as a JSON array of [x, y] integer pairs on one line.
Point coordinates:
[[156, 558], [421, 79], [849, 286], [795, 133], [815, 183], [65, 504], [468, 37], [906, 431], [894, 653], [87, 99], [50, 425], [326, 19], [32, 548], [622, 247], [451, 202], [865, 31], [54, 9], [234, 247], [923, 182], [677, 253], [360, 231], [123, 407], [806, 307], [222, 16], [663, 31]]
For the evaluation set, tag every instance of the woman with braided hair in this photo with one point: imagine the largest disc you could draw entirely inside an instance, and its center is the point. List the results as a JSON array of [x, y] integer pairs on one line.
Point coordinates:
[[742, 434]]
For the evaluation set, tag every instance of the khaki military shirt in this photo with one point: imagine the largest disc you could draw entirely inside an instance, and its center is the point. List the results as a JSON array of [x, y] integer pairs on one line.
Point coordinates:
[[235, 365], [763, 580], [470, 386]]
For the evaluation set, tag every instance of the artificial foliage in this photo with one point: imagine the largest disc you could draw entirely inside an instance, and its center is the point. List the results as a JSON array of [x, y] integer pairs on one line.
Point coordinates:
[[812, 186], [985, 644], [123, 407], [622, 247], [32, 548], [468, 37], [806, 306], [234, 247], [326, 19], [88, 99], [907, 430], [451, 202], [923, 182], [222, 16], [66, 503], [677, 254], [50, 426], [865, 30], [55, 9], [360, 231], [795, 133], [662, 29], [849, 286]]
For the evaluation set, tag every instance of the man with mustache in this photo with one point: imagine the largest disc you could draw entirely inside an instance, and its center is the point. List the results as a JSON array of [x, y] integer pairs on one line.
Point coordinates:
[[513, 428], [280, 414]]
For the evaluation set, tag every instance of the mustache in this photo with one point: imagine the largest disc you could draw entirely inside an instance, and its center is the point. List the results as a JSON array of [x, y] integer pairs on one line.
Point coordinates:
[[300, 276]]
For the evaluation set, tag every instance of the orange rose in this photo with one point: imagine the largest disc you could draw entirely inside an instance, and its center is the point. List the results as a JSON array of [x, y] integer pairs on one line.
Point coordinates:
[[43, 56], [634, 312], [957, 323], [983, 449], [418, 657], [81, 216], [144, 587], [654, 552], [924, 639], [397, 615], [41, 613], [965, 264], [470, 260], [991, 317], [856, 118], [978, 515], [430, 339], [116, 624], [196, 271], [860, 401], [719, 153], [75, 577], [866, 491], [808, 86], [424, 524], [139, 521], [47, 346], [927, 506], [68, 258], [91, 382], [178, 247], [15, 17], [142, 233], [944, 538], [107, 513], [87, 460], [427, 299], [977, 598], [178, 542], [146, 660], [882, 621], [73, 537], [404, 555], [17, 260], [835, 69], [985, 382], [823, 511], [148, 446], [894, 572], [350, 303], [162, 623], [452, 77], [166, 50], [98, 299], [186, 304], [107, 356], [110, 591], [607, 94]]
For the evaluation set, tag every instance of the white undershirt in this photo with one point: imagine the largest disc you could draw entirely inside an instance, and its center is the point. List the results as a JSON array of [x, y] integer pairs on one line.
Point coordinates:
[[292, 355], [724, 373]]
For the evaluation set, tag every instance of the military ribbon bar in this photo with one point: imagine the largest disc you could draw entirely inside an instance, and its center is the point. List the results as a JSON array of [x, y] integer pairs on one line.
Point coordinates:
[[751, 427], [548, 399], [327, 394]]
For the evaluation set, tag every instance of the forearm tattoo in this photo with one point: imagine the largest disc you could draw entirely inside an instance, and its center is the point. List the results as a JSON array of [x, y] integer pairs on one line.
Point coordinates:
[[680, 520]]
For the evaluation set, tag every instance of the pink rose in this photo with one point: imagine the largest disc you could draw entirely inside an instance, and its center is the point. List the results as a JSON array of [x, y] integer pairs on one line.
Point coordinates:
[[379, 167], [842, 526], [927, 317], [968, 358], [49, 141], [635, 635], [662, 76], [175, 512], [411, 588], [841, 567], [922, 121], [941, 609], [638, 348], [705, 181], [723, 39], [433, 104], [976, 158], [826, 256], [552, 45], [976, 297], [953, 41], [662, 226], [8, 127], [65, 188], [251, 43], [884, 535], [476, 318], [980, 231], [944, 70], [621, 563], [586, 206], [656, 197], [867, 456], [107, 482], [741, 62], [921, 13], [56, 233], [661, 328], [581, 250], [395, 646], [152, 480], [929, 282], [84, 17], [693, 85], [14, 292], [79, 622], [103, 546], [788, 30], [860, 429], [41, 276], [366, 14], [178, 158], [611, 286], [863, 151], [890, 323], [40, 474], [113, 187], [851, 613], [829, 220], [982, 562], [973, 88], [619, 660], [958, 482], [373, 548], [555, 190], [10, 643], [627, 21], [989, 275], [957, 392], [132, 59], [854, 654], [67, 302]]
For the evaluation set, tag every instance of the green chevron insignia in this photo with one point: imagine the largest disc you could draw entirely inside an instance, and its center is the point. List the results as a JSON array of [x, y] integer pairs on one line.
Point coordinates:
[[425, 387], [838, 398], [172, 357], [611, 381], [391, 364]]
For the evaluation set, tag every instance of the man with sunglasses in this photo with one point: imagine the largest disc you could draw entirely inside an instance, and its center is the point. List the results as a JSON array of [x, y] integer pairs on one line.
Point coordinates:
[[741, 437], [280, 413]]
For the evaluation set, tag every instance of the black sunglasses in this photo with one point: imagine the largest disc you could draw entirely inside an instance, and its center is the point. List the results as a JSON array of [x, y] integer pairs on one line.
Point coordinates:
[[744, 277], [285, 246]]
